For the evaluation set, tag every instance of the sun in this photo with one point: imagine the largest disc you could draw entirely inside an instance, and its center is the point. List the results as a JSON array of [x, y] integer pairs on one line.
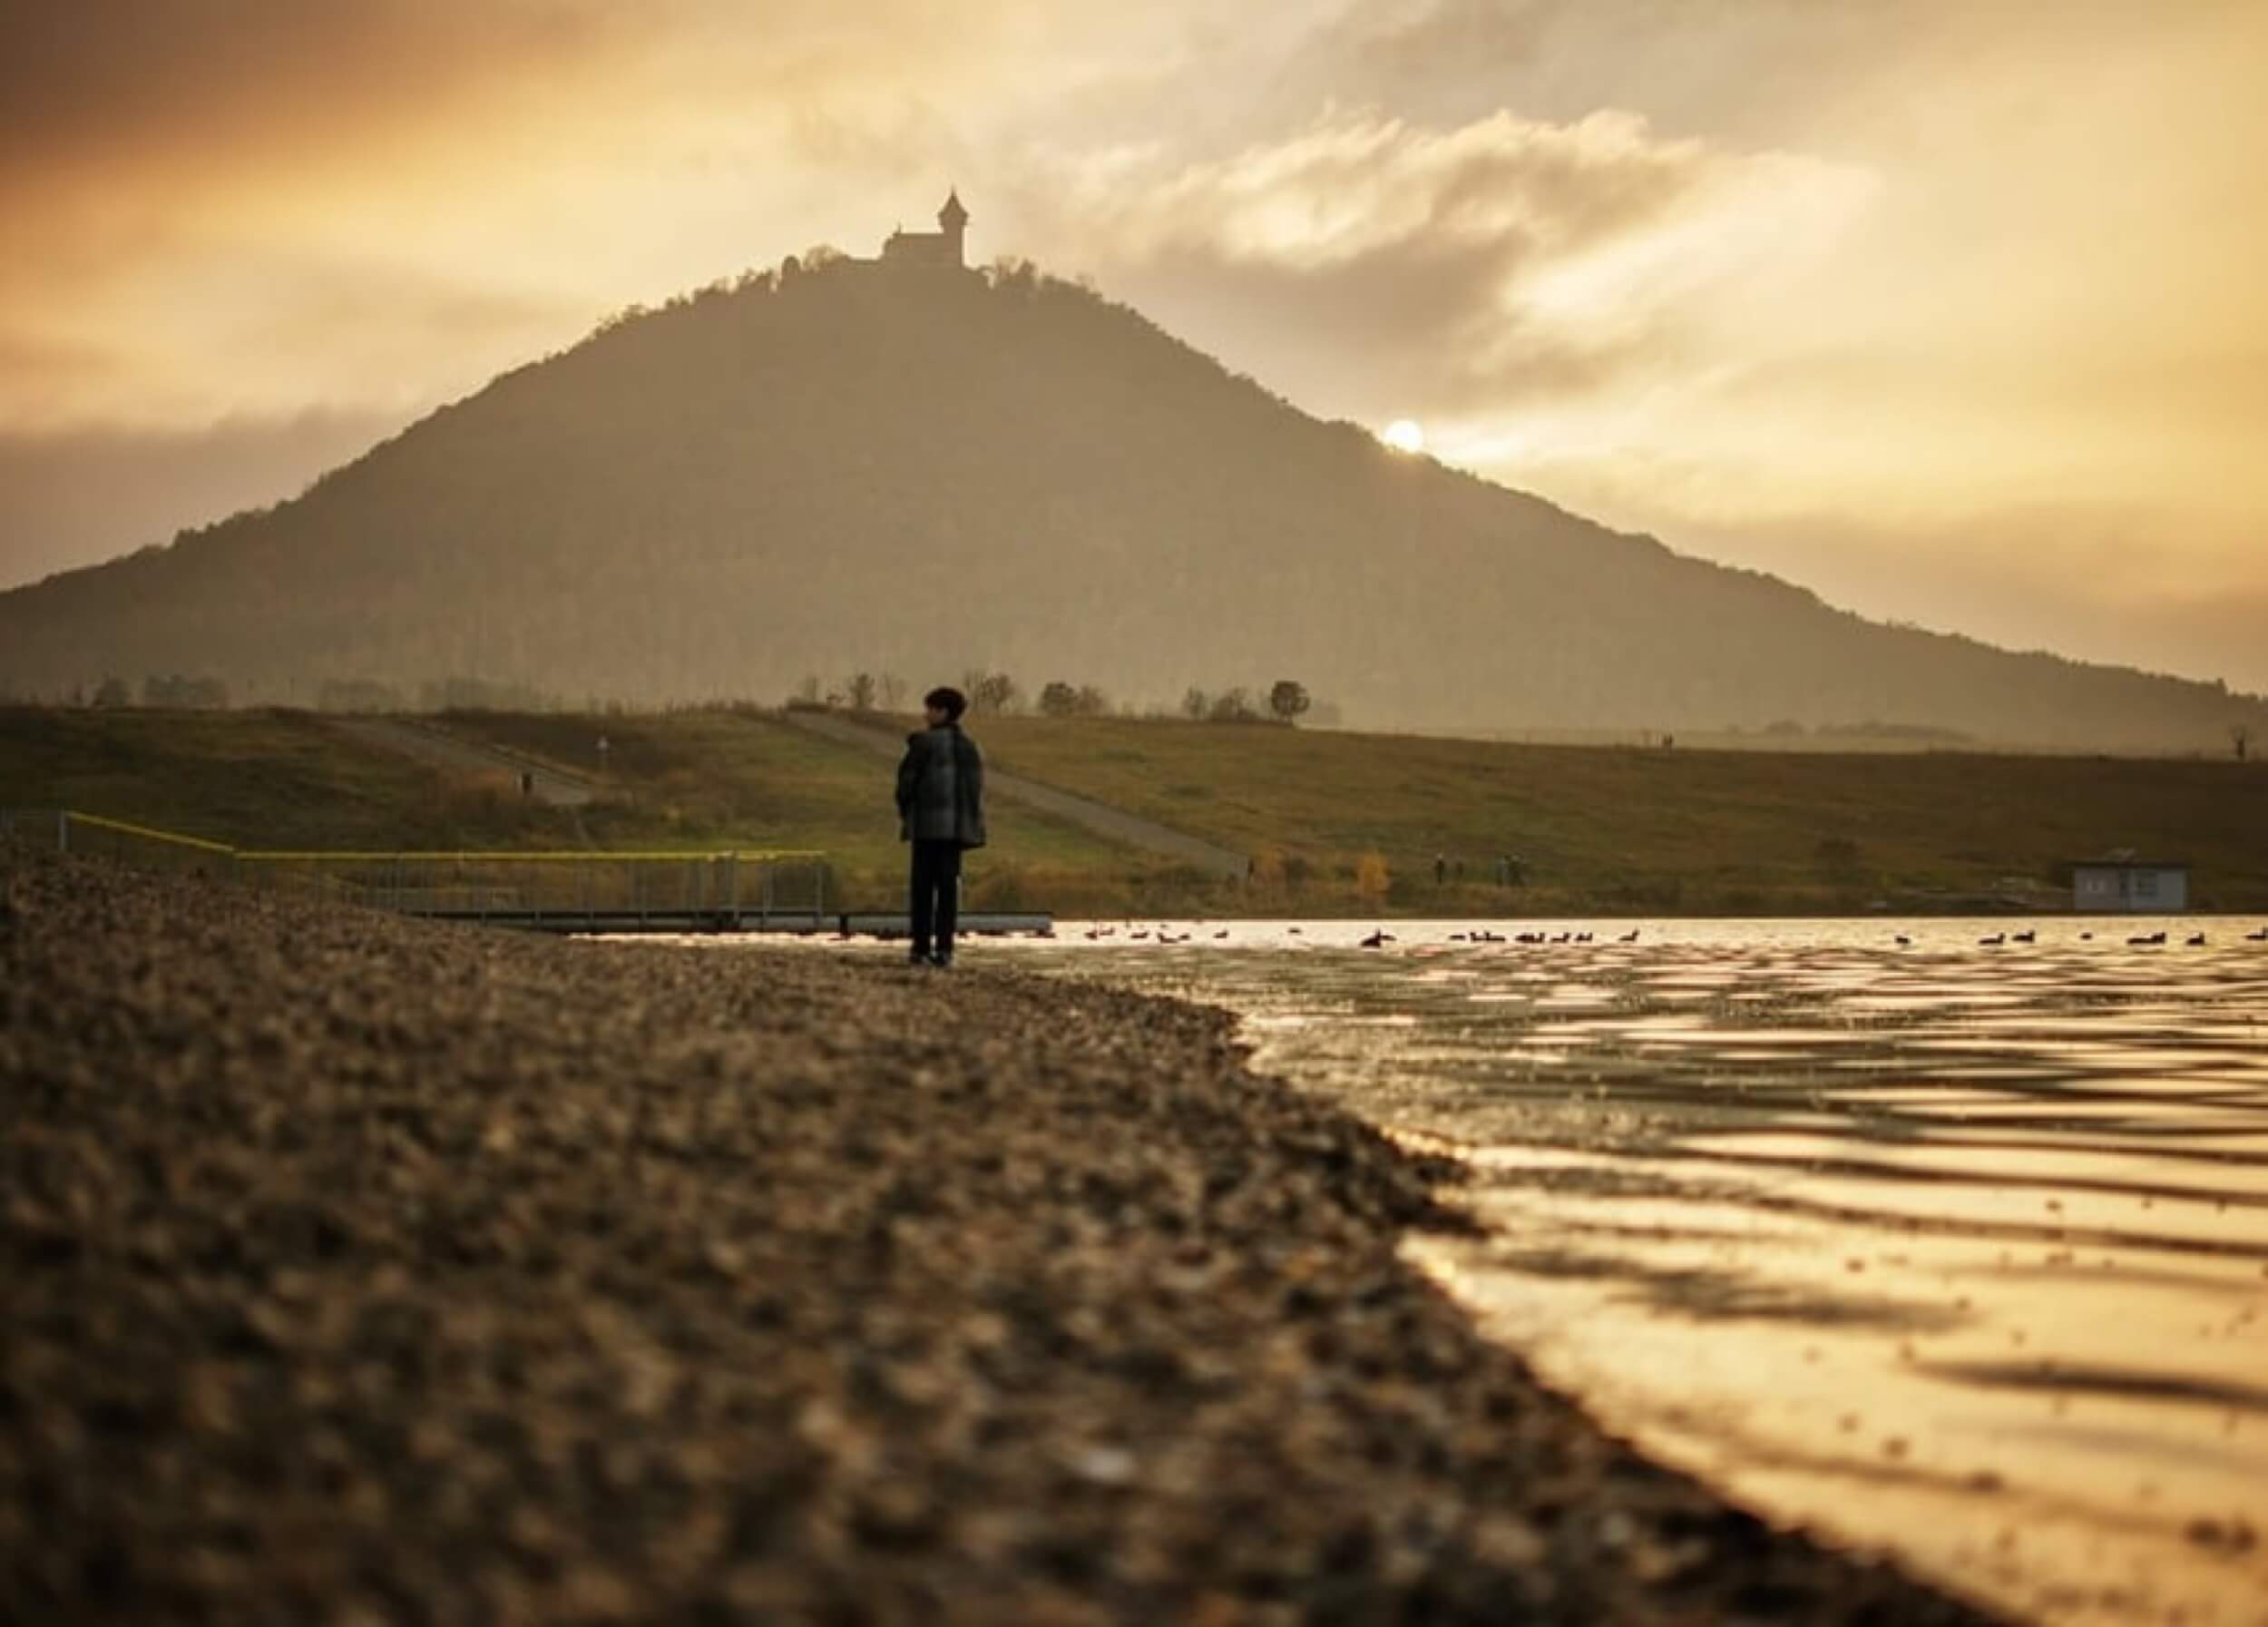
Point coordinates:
[[1404, 435]]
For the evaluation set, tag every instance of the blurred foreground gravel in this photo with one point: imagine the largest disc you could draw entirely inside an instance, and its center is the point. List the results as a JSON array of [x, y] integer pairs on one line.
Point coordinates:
[[356, 1270]]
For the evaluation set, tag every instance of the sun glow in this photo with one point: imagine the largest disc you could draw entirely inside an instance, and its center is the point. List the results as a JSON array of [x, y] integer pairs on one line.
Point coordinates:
[[1404, 435]]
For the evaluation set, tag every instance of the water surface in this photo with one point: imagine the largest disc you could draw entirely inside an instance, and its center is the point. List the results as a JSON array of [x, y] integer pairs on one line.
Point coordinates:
[[1954, 1246]]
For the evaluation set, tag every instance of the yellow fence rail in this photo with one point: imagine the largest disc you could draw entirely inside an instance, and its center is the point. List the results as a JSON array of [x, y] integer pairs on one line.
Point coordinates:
[[721, 889]]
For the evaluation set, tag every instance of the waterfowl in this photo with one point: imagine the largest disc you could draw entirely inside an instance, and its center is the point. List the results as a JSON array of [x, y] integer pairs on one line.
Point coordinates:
[[1378, 939]]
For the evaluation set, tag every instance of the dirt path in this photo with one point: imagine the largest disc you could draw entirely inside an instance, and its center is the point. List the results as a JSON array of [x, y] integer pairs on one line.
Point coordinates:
[[430, 744], [1100, 817]]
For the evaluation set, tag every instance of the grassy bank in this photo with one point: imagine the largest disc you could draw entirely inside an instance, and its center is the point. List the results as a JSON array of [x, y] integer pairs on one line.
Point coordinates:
[[1335, 823], [256, 779], [1636, 830]]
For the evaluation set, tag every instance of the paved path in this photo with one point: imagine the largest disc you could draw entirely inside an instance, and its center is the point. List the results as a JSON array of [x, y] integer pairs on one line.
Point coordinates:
[[429, 744], [1100, 817]]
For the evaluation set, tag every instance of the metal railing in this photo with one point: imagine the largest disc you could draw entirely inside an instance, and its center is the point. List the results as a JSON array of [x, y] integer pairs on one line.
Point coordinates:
[[730, 889]]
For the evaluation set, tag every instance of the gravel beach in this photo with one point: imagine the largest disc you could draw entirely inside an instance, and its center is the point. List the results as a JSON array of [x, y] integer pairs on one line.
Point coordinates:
[[358, 1270]]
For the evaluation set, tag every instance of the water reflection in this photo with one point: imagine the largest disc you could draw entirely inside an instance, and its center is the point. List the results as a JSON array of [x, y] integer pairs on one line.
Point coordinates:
[[1956, 1246]]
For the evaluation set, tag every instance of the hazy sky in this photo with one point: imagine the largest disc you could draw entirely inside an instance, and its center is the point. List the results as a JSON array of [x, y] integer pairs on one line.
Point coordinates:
[[1954, 310]]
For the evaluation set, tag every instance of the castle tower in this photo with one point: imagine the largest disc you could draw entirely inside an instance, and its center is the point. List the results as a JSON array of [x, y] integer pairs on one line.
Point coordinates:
[[953, 219]]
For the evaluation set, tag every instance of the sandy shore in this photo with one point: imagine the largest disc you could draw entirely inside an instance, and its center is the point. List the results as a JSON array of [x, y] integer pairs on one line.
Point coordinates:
[[357, 1271]]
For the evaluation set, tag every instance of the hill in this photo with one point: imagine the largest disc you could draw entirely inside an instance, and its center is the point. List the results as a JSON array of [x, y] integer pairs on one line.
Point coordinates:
[[863, 466]]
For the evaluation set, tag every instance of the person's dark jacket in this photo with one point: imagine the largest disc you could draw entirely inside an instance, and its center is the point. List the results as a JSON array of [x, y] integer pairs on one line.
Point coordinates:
[[941, 788]]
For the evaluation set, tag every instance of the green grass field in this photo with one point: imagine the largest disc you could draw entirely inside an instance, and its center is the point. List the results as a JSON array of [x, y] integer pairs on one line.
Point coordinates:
[[253, 778], [719, 779], [1598, 830], [1675, 832]]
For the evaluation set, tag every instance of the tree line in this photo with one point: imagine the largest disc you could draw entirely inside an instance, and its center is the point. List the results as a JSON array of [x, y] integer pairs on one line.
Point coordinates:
[[1285, 702]]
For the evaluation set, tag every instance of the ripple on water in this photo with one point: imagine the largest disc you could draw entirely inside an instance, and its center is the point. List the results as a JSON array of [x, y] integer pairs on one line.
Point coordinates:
[[1958, 1247]]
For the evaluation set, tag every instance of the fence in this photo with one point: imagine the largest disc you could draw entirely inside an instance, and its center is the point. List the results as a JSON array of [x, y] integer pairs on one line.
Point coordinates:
[[733, 889]]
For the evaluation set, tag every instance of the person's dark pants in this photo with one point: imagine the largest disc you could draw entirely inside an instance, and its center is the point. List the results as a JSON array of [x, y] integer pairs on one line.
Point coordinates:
[[936, 897]]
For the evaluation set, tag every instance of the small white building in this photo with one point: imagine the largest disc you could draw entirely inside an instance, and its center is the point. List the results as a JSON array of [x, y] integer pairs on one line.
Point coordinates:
[[2129, 886]]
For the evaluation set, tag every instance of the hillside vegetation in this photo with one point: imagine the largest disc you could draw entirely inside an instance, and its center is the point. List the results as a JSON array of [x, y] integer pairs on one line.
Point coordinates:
[[691, 781], [1335, 823], [1633, 830], [847, 468]]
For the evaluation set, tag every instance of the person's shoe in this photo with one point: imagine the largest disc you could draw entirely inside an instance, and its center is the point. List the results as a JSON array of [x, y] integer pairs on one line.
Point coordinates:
[[919, 957], [944, 963]]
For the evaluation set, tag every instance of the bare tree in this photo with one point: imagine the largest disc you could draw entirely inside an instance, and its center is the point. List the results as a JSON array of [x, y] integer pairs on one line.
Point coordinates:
[[997, 693], [1059, 699], [861, 688], [1232, 706], [892, 693], [1196, 704]]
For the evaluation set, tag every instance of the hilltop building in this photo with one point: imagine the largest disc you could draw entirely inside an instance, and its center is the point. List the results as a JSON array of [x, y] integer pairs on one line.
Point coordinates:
[[942, 247]]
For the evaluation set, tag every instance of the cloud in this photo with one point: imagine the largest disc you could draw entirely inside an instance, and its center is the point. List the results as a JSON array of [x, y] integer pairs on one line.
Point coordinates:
[[92, 83], [1442, 268]]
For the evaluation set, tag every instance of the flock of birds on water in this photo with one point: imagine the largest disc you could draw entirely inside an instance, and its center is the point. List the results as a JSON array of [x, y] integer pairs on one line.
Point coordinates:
[[1380, 938]]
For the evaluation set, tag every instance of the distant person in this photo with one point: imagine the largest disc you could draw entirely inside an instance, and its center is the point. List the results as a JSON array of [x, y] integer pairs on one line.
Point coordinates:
[[941, 812], [1441, 868]]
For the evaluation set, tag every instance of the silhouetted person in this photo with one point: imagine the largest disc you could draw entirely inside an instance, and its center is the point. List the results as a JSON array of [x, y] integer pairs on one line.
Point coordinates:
[[941, 812]]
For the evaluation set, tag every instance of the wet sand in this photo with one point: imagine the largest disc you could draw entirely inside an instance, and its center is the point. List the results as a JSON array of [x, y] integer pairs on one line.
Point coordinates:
[[354, 1270]]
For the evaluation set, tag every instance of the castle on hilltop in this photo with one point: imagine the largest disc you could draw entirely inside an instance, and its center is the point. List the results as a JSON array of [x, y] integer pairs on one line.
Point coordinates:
[[941, 248]]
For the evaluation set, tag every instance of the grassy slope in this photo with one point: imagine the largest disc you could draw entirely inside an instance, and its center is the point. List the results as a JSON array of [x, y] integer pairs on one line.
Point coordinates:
[[1636, 828], [253, 778], [1600, 829], [712, 777], [686, 779]]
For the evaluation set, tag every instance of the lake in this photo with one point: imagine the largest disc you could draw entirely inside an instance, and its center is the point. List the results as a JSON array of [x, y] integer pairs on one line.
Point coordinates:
[[1952, 1246]]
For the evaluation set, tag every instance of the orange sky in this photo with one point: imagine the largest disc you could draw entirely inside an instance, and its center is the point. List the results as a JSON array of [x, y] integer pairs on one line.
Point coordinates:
[[1949, 309]]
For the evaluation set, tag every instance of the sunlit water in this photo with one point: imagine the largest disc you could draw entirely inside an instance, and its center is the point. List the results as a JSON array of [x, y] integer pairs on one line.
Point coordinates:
[[1954, 1248]]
